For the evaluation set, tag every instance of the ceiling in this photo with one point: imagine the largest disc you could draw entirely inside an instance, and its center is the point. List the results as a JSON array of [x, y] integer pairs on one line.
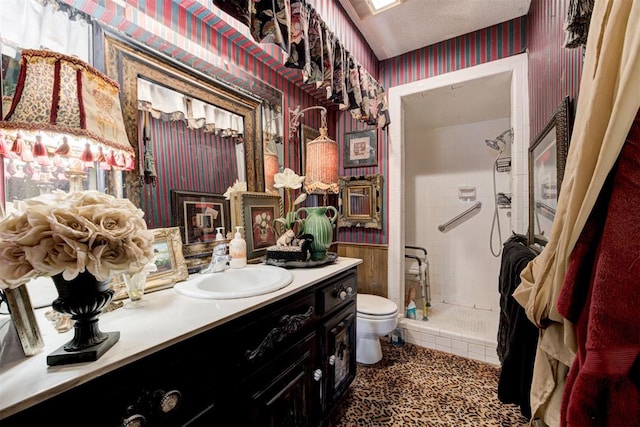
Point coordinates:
[[419, 23], [478, 100]]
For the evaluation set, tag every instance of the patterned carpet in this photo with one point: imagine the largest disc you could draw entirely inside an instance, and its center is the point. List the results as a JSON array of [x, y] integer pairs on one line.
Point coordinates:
[[415, 386]]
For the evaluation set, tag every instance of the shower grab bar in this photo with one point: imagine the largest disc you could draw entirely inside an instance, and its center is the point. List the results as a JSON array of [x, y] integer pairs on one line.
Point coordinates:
[[452, 222]]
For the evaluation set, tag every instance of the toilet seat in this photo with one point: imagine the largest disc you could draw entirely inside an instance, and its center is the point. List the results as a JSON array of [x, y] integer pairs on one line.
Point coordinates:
[[375, 307]]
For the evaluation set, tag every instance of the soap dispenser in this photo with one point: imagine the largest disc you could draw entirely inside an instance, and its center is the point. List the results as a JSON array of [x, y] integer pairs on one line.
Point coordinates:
[[238, 250]]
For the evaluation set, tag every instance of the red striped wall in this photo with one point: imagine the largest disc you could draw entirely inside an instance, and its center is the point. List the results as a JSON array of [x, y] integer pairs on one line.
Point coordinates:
[[489, 44], [554, 71], [181, 155]]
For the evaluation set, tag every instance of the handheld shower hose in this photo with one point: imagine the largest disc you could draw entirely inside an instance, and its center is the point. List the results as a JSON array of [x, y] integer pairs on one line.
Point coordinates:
[[496, 218], [495, 144]]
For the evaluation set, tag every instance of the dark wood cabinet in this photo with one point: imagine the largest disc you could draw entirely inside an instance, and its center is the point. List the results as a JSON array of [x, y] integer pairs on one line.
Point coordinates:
[[285, 364], [339, 346]]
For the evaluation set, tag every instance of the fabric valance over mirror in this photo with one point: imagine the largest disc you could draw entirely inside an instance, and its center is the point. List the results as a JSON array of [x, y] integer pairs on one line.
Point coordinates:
[[170, 105]]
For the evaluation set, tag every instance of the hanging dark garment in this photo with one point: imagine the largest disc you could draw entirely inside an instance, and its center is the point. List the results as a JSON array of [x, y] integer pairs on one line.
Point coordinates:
[[354, 94], [328, 58], [382, 108], [577, 23], [601, 295], [299, 56], [363, 111], [339, 89], [271, 22], [239, 9], [517, 336], [316, 50]]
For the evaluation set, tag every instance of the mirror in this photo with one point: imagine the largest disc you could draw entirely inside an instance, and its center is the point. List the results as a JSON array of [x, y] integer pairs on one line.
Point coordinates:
[[360, 201], [547, 158], [185, 165]]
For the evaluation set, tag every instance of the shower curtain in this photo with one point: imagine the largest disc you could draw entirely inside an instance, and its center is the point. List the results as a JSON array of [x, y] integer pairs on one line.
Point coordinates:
[[607, 105]]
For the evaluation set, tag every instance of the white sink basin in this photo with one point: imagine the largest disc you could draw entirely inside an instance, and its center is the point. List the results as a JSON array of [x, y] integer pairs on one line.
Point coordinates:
[[236, 283]]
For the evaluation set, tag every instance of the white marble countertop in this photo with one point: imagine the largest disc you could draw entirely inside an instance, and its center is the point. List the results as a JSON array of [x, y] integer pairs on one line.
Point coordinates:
[[166, 318]]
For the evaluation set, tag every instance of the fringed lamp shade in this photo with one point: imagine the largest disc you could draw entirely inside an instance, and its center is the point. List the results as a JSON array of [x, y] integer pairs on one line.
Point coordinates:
[[73, 104], [321, 174]]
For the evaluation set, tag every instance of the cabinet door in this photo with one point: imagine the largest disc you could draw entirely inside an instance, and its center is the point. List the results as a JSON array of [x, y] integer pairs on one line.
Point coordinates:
[[339, 355], [284, 392]]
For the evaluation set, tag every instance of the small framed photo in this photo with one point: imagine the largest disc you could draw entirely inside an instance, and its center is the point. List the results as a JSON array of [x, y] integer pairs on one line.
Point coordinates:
[[257, 213], [361, 149], [197, 215], [172, 268]]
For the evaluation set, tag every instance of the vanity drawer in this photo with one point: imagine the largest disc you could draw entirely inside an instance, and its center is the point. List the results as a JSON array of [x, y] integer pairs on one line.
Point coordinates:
[[337, 293], [272, 330]]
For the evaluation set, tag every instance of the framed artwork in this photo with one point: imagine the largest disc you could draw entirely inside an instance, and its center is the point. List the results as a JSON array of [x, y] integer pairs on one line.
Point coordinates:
[[257, 212], [360, 202], [197, 215], [172, 268], [306, 134], [547, 158], [361, 149]]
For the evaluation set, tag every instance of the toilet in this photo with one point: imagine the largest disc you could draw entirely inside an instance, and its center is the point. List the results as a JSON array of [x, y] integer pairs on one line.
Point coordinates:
[[376, 317]]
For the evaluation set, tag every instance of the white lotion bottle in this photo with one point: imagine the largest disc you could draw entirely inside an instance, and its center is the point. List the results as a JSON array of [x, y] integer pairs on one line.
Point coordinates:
[[238, 250]]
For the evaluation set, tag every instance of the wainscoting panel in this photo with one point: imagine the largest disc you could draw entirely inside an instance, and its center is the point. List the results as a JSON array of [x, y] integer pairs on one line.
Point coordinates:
[[372, 273]]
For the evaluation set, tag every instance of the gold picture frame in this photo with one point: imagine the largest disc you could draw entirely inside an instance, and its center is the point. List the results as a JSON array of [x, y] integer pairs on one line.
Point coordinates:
[[172, 268], [360, 201]]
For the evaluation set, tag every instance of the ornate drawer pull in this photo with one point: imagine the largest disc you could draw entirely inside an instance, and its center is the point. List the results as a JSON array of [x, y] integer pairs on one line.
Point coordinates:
[[290, 325]]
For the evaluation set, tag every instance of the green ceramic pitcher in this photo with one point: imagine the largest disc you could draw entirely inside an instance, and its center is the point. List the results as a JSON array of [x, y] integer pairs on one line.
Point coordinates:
[[320, 226]]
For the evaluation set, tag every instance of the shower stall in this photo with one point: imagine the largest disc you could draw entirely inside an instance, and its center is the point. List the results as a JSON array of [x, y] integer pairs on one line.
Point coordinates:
[[453, 182], [449, 180], [457, 186]]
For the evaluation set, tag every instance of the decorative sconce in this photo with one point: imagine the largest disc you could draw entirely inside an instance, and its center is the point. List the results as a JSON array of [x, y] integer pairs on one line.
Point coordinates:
[[321, 170], [61, 96]]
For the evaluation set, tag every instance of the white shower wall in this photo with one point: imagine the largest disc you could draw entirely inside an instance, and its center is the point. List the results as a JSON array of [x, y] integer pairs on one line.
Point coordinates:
[[437, 162]]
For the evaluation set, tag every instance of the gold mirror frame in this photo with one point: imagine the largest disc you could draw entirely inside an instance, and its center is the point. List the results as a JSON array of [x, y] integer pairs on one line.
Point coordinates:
[[172, 267], [360, 201], [125, 62], [547, 159]]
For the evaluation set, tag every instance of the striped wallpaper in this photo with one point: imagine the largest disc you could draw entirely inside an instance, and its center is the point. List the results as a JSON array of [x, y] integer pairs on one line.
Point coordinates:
[[199, 36], [489, 44], [181, 155], [554, 71]]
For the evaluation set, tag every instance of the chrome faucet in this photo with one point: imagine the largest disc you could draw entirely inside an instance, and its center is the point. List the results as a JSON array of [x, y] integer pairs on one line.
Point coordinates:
[[219, 259]]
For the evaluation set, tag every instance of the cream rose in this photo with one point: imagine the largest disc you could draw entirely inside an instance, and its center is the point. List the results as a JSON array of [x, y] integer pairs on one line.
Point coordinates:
[[108, 260], [15, 268], [56, 255], [70, 233]]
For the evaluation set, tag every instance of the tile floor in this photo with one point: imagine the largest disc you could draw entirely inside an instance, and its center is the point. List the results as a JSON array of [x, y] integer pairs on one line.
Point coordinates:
[[464, 331]]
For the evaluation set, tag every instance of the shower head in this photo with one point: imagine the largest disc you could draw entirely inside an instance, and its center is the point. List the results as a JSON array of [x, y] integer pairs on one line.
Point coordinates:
[[495, 143], [492, 143]]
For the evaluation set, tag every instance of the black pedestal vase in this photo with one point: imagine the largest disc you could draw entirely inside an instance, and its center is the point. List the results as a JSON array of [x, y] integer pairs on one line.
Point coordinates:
[[82, 297]]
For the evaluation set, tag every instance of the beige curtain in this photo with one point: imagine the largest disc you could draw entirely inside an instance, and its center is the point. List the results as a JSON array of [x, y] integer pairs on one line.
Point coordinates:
[[608, 101]]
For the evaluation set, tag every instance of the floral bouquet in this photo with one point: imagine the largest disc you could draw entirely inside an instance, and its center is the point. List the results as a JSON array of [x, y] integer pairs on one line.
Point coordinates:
[[236, 187], [71, 233], [290, 181]]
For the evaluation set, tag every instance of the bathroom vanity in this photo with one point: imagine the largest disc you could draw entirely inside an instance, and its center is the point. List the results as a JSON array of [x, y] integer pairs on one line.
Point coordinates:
[[285, 358]]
